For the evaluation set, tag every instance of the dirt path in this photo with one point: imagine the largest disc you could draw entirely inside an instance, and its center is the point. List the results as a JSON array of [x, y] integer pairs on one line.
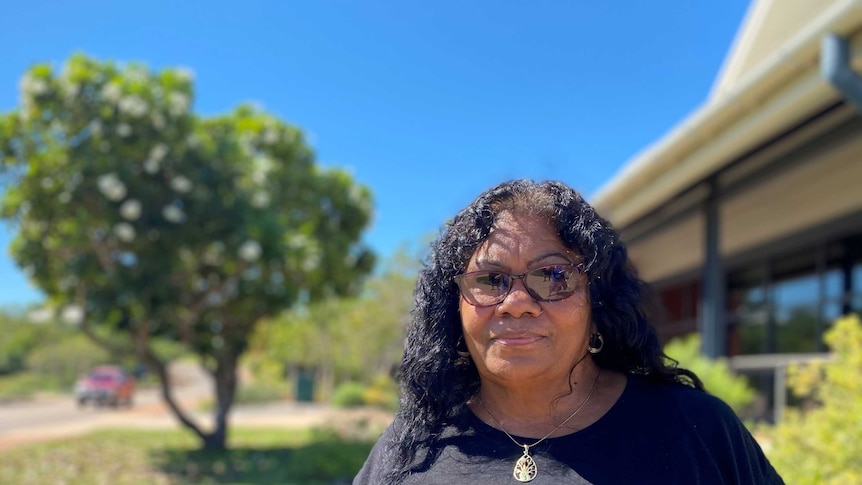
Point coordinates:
[[55, 417], [157, 416]]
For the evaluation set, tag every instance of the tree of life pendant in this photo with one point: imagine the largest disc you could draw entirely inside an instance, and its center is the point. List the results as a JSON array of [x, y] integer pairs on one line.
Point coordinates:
[[525, 468]]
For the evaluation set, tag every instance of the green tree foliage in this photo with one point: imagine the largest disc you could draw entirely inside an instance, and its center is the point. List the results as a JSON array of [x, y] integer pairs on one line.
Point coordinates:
[[356, 339], [63, 360], [19, 338], [43, 355], [133, 214], [823, 444], [717, 377]]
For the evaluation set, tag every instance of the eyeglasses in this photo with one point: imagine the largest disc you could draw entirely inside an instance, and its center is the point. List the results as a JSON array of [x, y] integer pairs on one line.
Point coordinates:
[[548, 283]]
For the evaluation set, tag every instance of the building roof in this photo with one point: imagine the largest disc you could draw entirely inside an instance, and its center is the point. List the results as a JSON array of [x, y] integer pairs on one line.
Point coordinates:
[[769, 82]]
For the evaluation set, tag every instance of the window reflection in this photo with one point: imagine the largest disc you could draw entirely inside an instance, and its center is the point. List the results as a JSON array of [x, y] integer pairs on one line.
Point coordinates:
[[856, 283], [795, 309], [785, 305]]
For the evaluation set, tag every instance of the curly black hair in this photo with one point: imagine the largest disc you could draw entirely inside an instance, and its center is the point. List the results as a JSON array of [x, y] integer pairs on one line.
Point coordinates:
[[435, 381]]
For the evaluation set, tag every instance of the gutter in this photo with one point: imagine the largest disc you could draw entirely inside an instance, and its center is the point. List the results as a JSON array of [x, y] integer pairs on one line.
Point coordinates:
[[835, 67], [783, 88]]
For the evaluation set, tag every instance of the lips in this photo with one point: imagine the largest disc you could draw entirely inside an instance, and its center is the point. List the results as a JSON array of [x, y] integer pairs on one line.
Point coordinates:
[[517, 340]]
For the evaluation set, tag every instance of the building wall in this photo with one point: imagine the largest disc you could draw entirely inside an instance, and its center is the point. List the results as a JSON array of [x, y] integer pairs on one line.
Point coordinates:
[[792, 261], [826, 187], [674, 249]]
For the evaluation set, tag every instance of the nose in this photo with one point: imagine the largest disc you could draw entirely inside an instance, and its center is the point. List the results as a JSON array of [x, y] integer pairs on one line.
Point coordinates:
[[518, 302]]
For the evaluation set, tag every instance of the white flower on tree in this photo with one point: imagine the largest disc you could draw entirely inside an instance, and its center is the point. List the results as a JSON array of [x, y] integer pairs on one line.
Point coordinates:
[[134, 106], [181, 184], [178, 103], [95, 127], [260, 199], [250, 251], [151, 166], [125, 232], [270, 136], [262, 166], [185, 74], [69, 88], [112, 92], [111, 187], [124, 129], [311, 262], [158, 121], [193, 141], [298, 241], [33, 86], [158, 151], [173, 214], [131, 209], [154, 161]]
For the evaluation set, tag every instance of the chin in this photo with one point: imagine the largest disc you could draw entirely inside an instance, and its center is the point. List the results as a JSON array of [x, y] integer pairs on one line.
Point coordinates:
[[520, 368]]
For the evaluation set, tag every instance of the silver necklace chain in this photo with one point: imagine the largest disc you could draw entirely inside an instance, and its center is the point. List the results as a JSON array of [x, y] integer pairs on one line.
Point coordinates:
[[525, 468]]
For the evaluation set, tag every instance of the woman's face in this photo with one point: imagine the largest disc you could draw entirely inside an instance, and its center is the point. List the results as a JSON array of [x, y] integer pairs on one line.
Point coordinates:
[[522, 340]]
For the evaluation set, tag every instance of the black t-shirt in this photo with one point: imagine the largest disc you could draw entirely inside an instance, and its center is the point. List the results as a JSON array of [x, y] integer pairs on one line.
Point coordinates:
[[654, 434]]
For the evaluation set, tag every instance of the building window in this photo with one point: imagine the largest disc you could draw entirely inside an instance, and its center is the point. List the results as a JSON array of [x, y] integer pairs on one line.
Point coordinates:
[[785, 304]]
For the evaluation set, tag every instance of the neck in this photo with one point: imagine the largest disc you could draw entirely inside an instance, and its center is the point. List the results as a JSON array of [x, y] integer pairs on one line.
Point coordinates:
[[533, 409]]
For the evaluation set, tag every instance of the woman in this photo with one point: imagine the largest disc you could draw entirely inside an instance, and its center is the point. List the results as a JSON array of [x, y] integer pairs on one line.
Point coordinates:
[[529, 359]]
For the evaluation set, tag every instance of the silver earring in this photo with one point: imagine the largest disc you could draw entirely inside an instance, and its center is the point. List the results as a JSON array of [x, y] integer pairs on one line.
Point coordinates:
[[597, 343]]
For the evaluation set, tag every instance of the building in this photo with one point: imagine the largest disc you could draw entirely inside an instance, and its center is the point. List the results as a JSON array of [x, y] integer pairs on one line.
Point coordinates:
[[746, 218]]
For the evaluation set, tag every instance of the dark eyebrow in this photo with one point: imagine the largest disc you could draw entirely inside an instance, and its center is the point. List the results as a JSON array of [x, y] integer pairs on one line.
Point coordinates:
[[485, 263], [551, 254]]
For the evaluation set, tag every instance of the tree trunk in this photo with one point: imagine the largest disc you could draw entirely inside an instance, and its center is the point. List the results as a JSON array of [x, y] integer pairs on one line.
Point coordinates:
[[225, 381], [226, 385]]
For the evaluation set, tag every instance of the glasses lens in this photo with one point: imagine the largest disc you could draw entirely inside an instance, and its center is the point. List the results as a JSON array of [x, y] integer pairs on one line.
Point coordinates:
[[553, 282], [485, 287]]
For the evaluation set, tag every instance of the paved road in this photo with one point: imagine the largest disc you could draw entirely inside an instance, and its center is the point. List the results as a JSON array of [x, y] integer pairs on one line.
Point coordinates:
[[54, 417]]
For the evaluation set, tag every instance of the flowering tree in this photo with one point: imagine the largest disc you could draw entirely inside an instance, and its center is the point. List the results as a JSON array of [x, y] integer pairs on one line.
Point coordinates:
[[135, 215]]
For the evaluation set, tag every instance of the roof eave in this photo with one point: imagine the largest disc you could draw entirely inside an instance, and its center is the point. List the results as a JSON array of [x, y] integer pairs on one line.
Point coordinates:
[[785, 88]]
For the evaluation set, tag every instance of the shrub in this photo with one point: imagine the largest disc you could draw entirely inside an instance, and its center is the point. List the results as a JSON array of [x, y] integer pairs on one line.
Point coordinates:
[[382, 393], [717, 377], [349, 394], [823, 445]]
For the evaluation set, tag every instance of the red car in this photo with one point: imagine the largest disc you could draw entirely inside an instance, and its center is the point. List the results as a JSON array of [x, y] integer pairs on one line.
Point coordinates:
[[105, 384]]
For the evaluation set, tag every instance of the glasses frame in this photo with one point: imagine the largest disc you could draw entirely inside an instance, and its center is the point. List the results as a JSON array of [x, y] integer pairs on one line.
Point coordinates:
[[468, 297]]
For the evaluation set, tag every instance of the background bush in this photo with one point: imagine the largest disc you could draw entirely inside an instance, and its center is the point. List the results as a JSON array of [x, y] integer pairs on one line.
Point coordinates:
[[716, 375], [823, 445], [381, 393], [66, 359], [349, 394]]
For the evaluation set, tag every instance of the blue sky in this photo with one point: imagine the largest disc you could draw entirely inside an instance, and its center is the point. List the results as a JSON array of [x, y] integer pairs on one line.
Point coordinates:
[[427, 103]]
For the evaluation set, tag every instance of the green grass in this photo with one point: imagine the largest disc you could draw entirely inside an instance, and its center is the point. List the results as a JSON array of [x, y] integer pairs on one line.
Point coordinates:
[[134, 457]]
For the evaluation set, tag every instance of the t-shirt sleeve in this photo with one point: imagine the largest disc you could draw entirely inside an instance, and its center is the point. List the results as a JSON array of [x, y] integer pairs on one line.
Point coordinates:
[[372, 470], [737, 451], [751, 463]]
